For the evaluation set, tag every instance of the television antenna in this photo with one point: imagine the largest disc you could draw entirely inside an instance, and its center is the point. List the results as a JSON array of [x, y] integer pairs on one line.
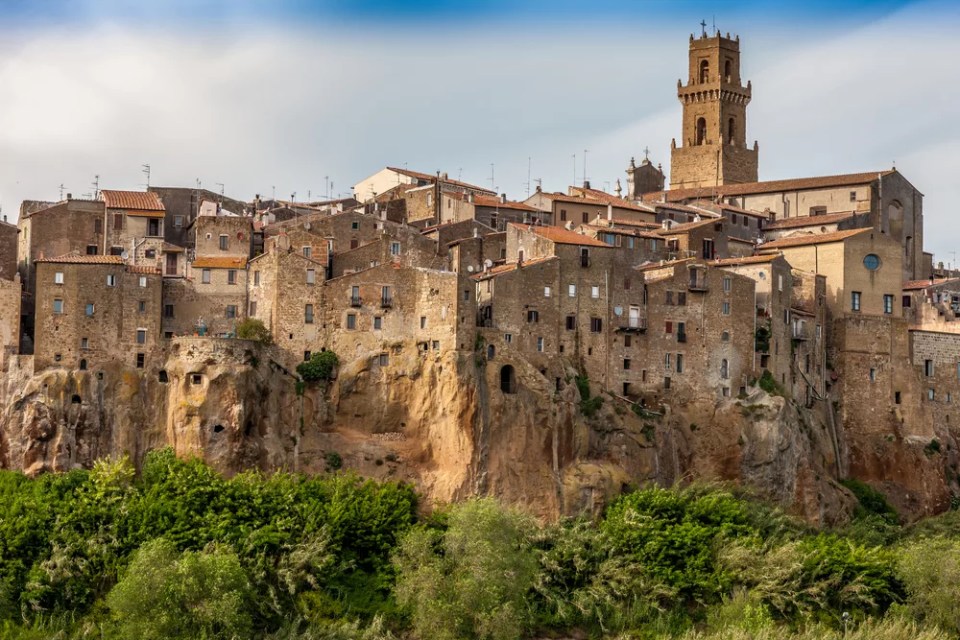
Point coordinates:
[[584, 168], [61, 191], [145, 170], [96, 186]]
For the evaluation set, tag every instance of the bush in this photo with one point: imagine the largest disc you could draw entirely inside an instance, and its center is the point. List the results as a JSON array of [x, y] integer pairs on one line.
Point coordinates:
[[319, 367], [254, 329], [930, 571], [769, 384], [588, 406], [469, 581], [870, 501]]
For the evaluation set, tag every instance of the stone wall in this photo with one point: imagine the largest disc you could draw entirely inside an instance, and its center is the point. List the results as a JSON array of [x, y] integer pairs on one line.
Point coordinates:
[[10, 294]]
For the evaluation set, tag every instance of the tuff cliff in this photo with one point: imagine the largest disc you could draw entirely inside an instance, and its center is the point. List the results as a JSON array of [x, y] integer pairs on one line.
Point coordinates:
[[440, 420]]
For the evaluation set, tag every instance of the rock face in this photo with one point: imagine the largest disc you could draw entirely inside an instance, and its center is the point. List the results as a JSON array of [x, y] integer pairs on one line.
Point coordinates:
[[441, 422]]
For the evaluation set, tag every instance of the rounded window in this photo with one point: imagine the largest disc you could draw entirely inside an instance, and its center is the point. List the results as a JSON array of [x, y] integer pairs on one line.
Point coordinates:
[[871, 261]]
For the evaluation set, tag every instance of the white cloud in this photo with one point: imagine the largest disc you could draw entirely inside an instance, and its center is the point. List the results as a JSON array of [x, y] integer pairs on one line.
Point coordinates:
[[258, 106]]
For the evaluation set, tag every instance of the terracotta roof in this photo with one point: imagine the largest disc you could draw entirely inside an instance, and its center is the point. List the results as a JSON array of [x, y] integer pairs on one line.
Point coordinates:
[[685, 227], [809, 221], [168, 247], [432, 178], [914, 285], [735, 262], [770, 186], [559, 235], [636, 223], [144, 269], [76, 258], [811, 238], [742, 240], [663, 265], [216, 262], [137, 200], [723, 206], [493, 201], [606, 198], [499, 270], [675, 206]]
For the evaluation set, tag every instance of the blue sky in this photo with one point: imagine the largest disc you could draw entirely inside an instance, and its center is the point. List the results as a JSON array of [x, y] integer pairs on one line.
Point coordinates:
[[290, 95]]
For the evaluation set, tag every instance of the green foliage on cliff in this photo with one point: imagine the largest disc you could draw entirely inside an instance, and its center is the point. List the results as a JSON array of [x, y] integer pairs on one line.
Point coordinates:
[[254, 329], [178, 551], [320, 366]]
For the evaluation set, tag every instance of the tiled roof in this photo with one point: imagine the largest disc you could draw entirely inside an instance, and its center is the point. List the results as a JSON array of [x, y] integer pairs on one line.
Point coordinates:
[[636, 223], [809, 221], [770, 186], [138, 200], [493, 201], [685, 227], [717, 207], [914, 285], [735, 262], [559, 235], [663, 265], [512, 266], [606, 198], [76, 258], [432, 178], [216, 262], [741, 240], [168, 247], [139, 268], [811, 238]]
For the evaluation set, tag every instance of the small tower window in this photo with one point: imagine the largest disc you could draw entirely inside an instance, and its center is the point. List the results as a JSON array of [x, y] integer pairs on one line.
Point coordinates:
[[701, 131], [704, 71], [731, 130], [727, 69]]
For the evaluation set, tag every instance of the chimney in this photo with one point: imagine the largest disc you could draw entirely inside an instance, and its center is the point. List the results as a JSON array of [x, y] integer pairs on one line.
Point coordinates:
[[539, 188], [610, 212], [4, 217], [503, 198], [69, 196], [586, 184], [443, 176]]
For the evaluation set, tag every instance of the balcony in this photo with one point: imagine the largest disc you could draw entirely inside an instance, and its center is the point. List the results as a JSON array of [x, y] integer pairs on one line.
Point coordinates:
[[699, 284], [355, 301], [386, 302], [634, 325]]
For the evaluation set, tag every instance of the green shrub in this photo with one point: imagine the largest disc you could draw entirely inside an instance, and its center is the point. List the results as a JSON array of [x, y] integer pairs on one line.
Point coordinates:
[[769, 384], [320, 366], [254, 329], [930, 571], [870, 501]]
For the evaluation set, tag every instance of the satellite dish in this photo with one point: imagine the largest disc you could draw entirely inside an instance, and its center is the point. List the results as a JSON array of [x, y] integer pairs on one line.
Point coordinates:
[[306, 225], [124, 255], [618, 311], [487, 263], [470, 268]]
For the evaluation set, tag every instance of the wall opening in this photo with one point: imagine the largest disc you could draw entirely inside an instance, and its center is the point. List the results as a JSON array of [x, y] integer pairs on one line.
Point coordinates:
[[704, 71], [727, 71], [508, 379], [162, 376], [701, 130], [83, 365], [75, 399], [731, 130], [217, 428], [491, 351]]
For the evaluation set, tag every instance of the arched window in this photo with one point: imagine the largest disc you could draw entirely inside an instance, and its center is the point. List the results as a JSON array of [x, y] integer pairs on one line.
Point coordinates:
[[907, 245], [724, 369], [704, 71], [491, 351], [508, 379], [892, 215], [731, 130], [83, 365], [701, 131], [727, 68]]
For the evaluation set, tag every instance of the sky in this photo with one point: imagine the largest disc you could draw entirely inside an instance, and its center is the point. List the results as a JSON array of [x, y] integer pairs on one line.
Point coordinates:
[[292, 97]]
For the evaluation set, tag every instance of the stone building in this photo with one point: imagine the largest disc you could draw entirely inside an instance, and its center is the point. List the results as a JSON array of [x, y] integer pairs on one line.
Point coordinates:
[[182, 205], [71, 226], [699, 332], [713, 147], [491, 211], [212, 296], [95, 311], [10, 298], [8, 249], [390, 177], [932, 303], [643, 179], [220, 235], [808, 318], [133, 221], [703, 239], [587, 206], [400, 247]]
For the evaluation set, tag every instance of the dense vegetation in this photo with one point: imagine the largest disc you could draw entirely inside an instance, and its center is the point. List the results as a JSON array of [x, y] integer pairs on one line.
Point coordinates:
[[178, 551]]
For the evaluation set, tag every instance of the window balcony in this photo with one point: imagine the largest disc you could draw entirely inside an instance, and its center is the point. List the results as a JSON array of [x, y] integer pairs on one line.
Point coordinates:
[[386, 302], [355, 301]]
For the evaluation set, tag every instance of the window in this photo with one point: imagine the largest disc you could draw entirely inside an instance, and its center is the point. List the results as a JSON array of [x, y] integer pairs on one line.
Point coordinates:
[[626, 364], [596, 325], [58, 277], [89, 309], [394, 248], [779, 282], [111, 280], [724, 369], [931, 395], [311, 276], [594, 292], [351, 321], [571, 323], [532, 316], [141, 336], [666, 383], [177, 222], [377, 323], [563, 215], [701, 131], [726, 308], [679, 363], [681, 298], [681, 332], [142, 306], [256, 278], [205, 276], [586, 217], [84, 343], [196, 378], [168, 311], [669, 298], [546, 292], [853, 196], [224, 241], [896, 397], [627, 340], [231, 276], [871, 262], [873, 374], [819, 332], [383, 359], [725, 336], [584, 254], [626, 284], [307, 252], [668, 361], [253, 308], [540, 344], [98, 226], [887, 303], [231, 311], [91, 249], [355, 225], [423, 322], [572, 291], [906, 302], [668, 327], [928, 368], [727, 284], [140, 360], [508, 338], [308, 314], [855, 301], [143, 282], [118, 221]]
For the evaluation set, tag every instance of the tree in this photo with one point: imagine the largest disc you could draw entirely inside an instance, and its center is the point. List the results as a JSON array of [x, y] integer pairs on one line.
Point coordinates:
[[254, 329], [195, 594], [320, 366], [471, 580]]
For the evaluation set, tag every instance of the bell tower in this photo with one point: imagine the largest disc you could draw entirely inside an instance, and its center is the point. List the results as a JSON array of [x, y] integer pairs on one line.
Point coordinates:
[[713, 149]]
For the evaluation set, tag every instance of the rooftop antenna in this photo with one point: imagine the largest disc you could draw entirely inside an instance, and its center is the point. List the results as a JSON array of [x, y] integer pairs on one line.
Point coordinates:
[[293, 197], [529, 163], [584, 167], [492, 178], [309, 194], [61, 191], [326, 186], [539, 182], [273, 192], [199, 184], [96, 186], [460, 174], [574, 156], [145, 170], [220, 184], [715, 32]]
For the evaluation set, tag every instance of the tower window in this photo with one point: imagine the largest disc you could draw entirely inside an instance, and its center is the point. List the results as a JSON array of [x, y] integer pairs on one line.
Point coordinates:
[[727, 69], [704, 71], [731, 130], [701, 131]]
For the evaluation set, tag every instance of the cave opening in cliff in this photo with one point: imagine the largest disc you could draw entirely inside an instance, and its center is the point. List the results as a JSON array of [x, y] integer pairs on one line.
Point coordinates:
[[75, 399], [508, 379], [162, 376], [218, 428]]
